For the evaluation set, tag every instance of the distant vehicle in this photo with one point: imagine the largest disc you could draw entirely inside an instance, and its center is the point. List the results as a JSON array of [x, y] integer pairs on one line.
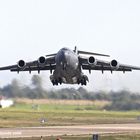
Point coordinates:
[[66, 66]]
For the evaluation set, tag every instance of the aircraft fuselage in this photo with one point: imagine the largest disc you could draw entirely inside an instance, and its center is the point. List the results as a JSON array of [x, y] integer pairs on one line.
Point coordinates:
[[68, 69]]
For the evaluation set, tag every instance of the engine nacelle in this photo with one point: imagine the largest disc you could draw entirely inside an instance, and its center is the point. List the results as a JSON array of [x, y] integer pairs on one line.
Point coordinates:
[[41, 60], [21, 64], [92, 60], [114, 64]]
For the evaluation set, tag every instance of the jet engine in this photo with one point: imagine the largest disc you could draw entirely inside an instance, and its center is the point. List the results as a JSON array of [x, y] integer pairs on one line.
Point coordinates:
[[114, 64], [41, 60], [92, 60], [21, 64]]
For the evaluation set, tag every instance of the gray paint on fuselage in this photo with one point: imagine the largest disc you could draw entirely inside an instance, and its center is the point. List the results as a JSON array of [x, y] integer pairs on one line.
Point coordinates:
[[67, 66]]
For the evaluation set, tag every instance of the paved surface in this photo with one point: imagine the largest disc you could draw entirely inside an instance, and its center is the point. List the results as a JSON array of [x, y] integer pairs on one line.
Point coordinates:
[[68, 130]]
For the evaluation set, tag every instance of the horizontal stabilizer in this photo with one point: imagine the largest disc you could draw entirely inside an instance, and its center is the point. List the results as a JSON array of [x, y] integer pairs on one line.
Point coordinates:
[[90, 53]]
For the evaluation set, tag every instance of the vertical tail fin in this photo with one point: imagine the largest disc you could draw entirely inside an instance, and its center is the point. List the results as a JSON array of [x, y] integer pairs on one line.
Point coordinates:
[[75, 50]]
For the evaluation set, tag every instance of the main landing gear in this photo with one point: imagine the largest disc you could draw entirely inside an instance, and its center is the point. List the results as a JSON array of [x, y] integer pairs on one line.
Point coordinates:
[[56, 81], [83, 80]]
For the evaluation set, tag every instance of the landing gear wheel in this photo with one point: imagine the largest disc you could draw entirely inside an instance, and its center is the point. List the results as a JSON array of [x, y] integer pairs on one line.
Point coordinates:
[[83, 80], [57, 81], [60, 81], [54, 82]]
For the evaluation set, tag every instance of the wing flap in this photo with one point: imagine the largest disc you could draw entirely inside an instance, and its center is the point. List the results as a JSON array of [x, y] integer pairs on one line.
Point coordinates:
[[34, 68], [104, 68]]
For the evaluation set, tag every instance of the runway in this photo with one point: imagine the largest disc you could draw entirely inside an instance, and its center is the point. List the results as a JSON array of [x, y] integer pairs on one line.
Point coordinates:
[[68, 130]]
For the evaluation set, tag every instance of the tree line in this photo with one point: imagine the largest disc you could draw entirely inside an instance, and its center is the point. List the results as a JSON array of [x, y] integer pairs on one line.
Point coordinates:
[[120, 100]]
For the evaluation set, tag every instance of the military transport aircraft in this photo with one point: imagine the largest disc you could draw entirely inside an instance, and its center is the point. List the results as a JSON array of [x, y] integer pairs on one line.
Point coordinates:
[[66, 66]]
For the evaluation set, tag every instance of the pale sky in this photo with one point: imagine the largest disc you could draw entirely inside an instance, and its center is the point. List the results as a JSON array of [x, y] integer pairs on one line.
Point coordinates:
[[32, 28]]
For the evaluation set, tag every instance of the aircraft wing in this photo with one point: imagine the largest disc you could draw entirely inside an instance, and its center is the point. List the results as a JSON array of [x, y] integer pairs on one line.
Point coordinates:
[[100, 65], [38, 65]]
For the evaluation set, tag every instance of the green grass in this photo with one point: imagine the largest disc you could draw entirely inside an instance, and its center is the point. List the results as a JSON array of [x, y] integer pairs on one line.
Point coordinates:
[[24, 115], [131, 136], [122, 137], [49, 107]]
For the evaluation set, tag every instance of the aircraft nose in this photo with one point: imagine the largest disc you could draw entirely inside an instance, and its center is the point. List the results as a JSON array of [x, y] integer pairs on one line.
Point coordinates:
[[64, 56], [65, 59]]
